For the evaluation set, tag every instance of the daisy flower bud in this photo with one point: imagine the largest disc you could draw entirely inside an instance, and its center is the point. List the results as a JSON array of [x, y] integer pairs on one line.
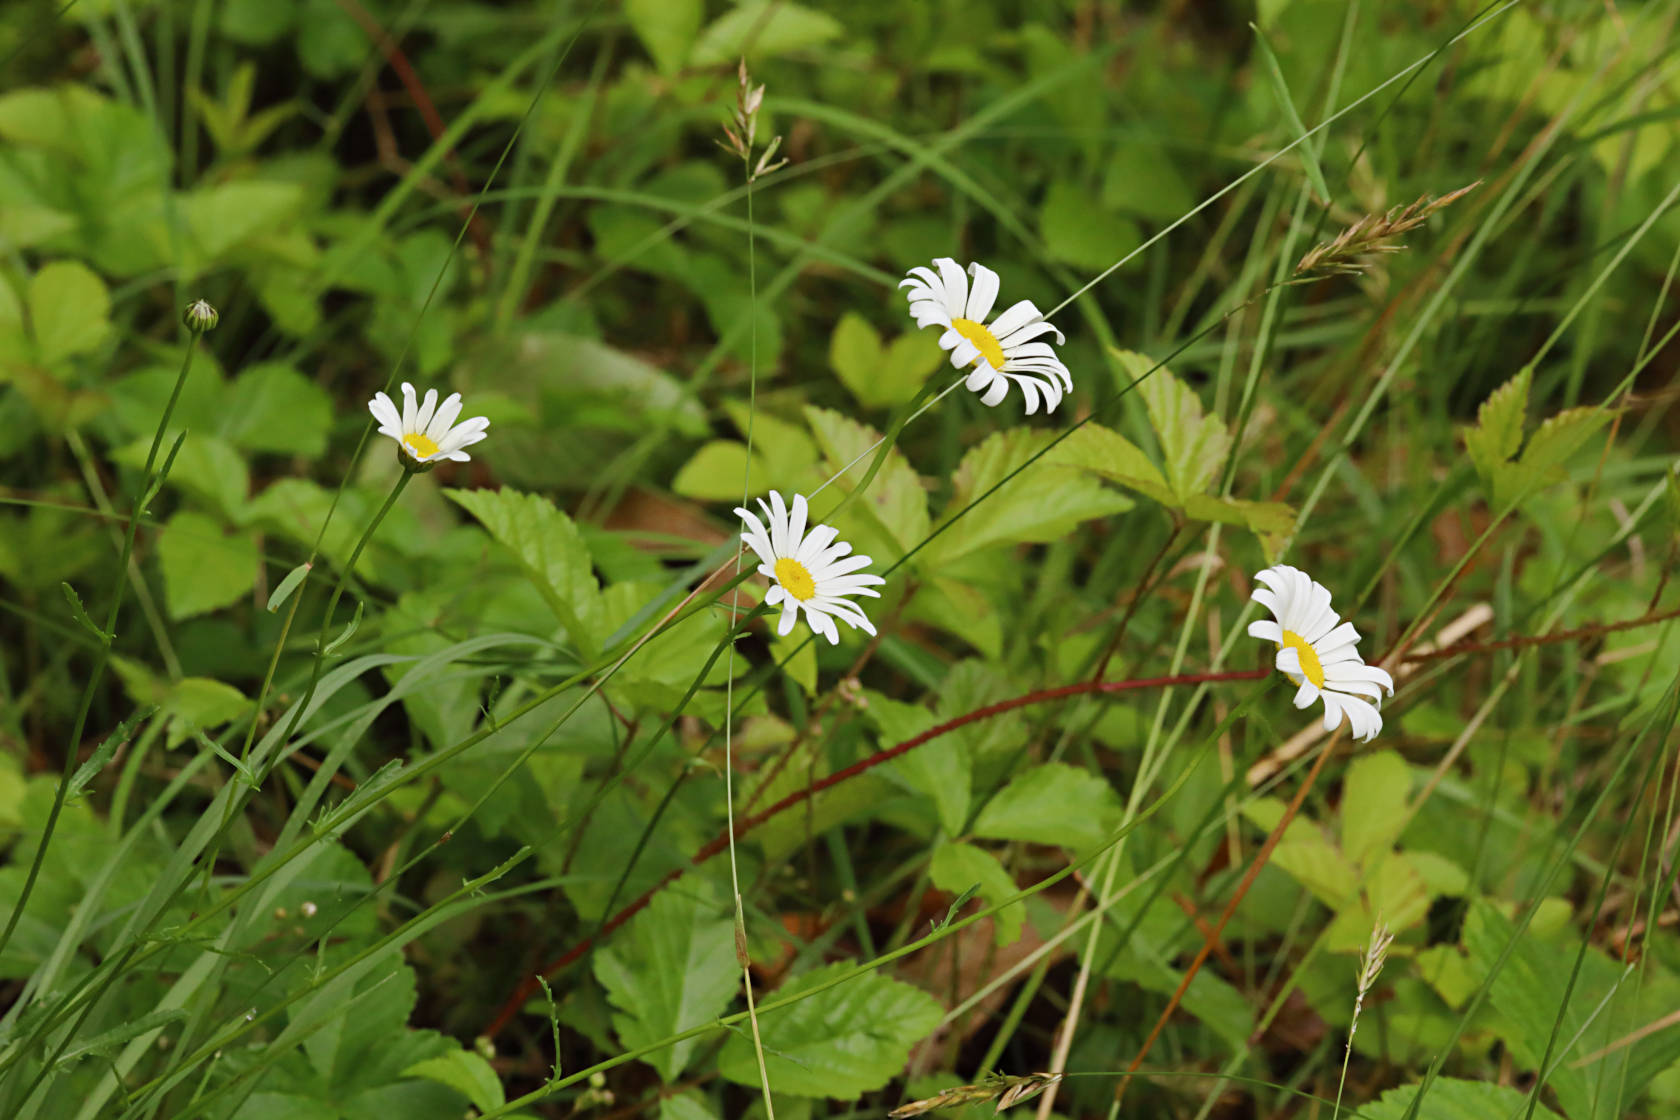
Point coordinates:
[[200, 317], [426, 433], [1315, 649], [996, 354], [807, 569]]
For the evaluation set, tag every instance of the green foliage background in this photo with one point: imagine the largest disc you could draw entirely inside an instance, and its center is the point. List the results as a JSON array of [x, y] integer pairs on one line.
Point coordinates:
[[267, 858]]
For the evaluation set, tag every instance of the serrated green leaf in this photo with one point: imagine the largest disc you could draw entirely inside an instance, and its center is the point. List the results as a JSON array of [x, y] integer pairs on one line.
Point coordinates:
[[718, 470], [955, 866], [203, 570], [1111, 455], [1052, 803], [465, 1072], [1042, 503], [1557, 438], [849, 1040], [549, 550], [667, 28], [103, 753], [1499, 427], [892, 517], [1373, 805], [673, 968], [1449, 1098], [938, 769], [69, 311], [206, 467], [1306, 854], [1194, 446], [80, 614], [1530, 999]]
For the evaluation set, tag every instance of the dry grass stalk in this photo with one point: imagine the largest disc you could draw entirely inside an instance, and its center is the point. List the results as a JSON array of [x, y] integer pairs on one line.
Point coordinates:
[[1347, 253], [1007, 1090]]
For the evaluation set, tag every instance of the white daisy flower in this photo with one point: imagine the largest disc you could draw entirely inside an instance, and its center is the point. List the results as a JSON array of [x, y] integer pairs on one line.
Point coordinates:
[[427, 433], [996, 354], [1316, 649], [809, 570]]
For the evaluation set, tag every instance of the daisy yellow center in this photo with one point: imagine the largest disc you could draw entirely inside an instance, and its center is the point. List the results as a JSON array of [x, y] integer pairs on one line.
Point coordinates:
[[421, 444], [795, 578], [987, 343], [1311, 667]]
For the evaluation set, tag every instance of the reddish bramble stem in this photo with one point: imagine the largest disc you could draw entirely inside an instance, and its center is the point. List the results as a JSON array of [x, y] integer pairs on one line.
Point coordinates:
[[528, 986]]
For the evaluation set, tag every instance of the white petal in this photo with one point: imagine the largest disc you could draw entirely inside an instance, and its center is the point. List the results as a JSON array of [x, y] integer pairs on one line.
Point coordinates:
[[790, 617], [993, 396], [1288, 660], [427, 407], [1266, 630], [778, 524], [1342, 635], [796, 524], [1306, 694], [955, 284], [444, 417], [408, 408], [1022, 334], [385, 412], [983, 294], [1017, 316]]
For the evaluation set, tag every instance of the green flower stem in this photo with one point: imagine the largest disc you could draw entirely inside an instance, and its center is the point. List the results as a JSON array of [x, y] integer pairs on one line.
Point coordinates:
[[102, 656], [332, 603]]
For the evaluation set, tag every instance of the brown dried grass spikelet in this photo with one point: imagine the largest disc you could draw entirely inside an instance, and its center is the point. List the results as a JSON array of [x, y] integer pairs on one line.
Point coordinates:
[[1373, 234]]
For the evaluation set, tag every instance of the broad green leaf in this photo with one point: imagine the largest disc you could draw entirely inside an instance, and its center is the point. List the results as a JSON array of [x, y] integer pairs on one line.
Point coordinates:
[[1080, 231], [685, 1106], [192, 704], [1263, 519], [859, 359], [955, 867], [547, 545], [227, 215], [1450, 1098], [203, 569], [273, 407], [673, 968], [760, 29], [666, 28], [69, 311], [288, 585], [206, 467], [938, 769], [465, 1072], [1042, 503], [1499, 427], [1306, 854], [893, 515], [1604, 1005], [718, 470], [1194, 446], [843, 1042], [962, 609], [1142, 178], [1107, 453], [1557, 438], [786, 447], [1052, 803], [1373, 805]]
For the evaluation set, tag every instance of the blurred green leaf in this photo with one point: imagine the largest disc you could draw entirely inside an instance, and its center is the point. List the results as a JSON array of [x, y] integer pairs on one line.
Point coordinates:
[[938, 769], [69, 311], [273, 407], [718, 470], [193, 704], [1081, 231], [881, 375], [1373, 812], [667, 28], [893, 514], [672, 969], [1280, 89], [849, 1040], [204, 569], [760, 28]]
